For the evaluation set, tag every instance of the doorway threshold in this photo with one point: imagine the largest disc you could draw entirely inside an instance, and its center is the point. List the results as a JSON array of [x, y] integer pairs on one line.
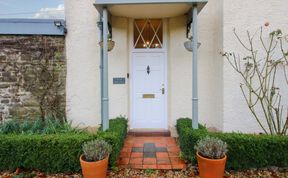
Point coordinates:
[[149, 133]]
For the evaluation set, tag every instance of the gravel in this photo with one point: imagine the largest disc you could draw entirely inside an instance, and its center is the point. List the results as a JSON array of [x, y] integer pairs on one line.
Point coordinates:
[[271, 172]]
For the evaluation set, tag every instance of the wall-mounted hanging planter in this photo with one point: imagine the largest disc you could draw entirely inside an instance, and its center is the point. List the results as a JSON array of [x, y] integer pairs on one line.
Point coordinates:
[[188, 45], [111, 44]]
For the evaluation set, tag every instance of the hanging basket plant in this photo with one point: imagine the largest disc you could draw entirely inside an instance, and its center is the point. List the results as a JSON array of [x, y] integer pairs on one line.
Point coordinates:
[[111, 44], [188, 44]]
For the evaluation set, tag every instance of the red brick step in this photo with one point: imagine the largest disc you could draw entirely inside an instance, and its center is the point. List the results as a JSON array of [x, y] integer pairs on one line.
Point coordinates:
[[155, 152], [151, 133]]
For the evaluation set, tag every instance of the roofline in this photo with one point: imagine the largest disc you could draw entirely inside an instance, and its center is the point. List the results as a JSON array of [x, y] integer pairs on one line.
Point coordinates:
[[125, 2], [18, 26], [100, 4], [22, 20]]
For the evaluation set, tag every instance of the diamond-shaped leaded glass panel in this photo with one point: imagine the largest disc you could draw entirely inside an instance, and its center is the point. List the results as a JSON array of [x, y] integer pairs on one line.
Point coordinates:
[[148, 33]]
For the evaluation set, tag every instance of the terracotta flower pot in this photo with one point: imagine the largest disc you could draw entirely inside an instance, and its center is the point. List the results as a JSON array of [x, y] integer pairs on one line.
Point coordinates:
[[96, 169], [211, 168]]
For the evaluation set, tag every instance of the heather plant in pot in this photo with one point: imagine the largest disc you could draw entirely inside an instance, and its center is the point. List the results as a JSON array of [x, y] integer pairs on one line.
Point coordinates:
[[94, 160], [211, 157]]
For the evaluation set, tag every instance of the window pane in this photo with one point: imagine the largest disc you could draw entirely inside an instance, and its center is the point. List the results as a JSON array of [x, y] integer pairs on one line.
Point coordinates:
[[148, 33]]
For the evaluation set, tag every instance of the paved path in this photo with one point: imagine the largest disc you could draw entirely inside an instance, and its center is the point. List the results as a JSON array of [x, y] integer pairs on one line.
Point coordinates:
[[150, 153]]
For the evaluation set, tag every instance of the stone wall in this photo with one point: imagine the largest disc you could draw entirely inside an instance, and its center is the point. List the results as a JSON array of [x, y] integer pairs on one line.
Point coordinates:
[[21, 58]]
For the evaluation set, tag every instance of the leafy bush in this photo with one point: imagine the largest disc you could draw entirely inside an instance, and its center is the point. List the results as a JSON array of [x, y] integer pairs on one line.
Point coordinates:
[[212, 148], [10, 127], [49, 153], [96, 150], [245, 150], [115, 136], [37, 126], [56, 152]]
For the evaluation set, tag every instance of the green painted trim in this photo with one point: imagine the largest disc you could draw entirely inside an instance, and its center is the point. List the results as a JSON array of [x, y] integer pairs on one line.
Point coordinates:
[[105, 99], [100, 26], [194, 27]]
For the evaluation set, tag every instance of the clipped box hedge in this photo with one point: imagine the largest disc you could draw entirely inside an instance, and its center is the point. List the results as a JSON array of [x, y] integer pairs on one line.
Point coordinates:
[[245, 150], [57, 152]]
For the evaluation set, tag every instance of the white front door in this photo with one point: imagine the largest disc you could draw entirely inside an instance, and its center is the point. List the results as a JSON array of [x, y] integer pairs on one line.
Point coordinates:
[[148, 90]]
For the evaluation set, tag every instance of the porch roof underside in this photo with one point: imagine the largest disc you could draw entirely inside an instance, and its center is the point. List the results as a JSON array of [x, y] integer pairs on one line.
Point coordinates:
[[148, 8]]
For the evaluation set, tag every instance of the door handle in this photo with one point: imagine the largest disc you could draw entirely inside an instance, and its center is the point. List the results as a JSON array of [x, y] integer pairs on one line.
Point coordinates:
[[163, 91]]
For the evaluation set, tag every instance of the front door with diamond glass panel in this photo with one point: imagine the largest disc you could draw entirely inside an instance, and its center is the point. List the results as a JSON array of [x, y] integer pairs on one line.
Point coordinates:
[[148, 80]]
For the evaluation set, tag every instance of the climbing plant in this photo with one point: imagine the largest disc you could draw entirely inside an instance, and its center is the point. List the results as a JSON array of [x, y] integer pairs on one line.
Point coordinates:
[[263, 70], [40, 71]]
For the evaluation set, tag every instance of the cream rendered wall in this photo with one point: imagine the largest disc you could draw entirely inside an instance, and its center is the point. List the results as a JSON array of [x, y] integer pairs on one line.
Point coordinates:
[[209, 66], [221, 104], [82, 50], [119, 67], [246, 15], [83, 79], [179, 72], [83, 61]]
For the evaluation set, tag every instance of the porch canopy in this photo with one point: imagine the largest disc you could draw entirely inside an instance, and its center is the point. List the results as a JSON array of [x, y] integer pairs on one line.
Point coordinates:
[[147, 9]]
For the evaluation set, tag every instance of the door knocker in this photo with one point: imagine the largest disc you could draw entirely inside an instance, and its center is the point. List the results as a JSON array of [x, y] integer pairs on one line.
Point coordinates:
[[148, 69]]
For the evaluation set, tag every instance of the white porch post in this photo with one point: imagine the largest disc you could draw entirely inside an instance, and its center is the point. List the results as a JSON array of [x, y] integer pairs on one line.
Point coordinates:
[[105, 99], [194, 69]]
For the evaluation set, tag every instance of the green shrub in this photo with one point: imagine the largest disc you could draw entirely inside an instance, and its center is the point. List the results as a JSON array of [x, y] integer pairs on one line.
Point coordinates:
[[115, 136], [56, 152], [187, 139], [10, 127], [37, 126], [245, 150], [49, 153]]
